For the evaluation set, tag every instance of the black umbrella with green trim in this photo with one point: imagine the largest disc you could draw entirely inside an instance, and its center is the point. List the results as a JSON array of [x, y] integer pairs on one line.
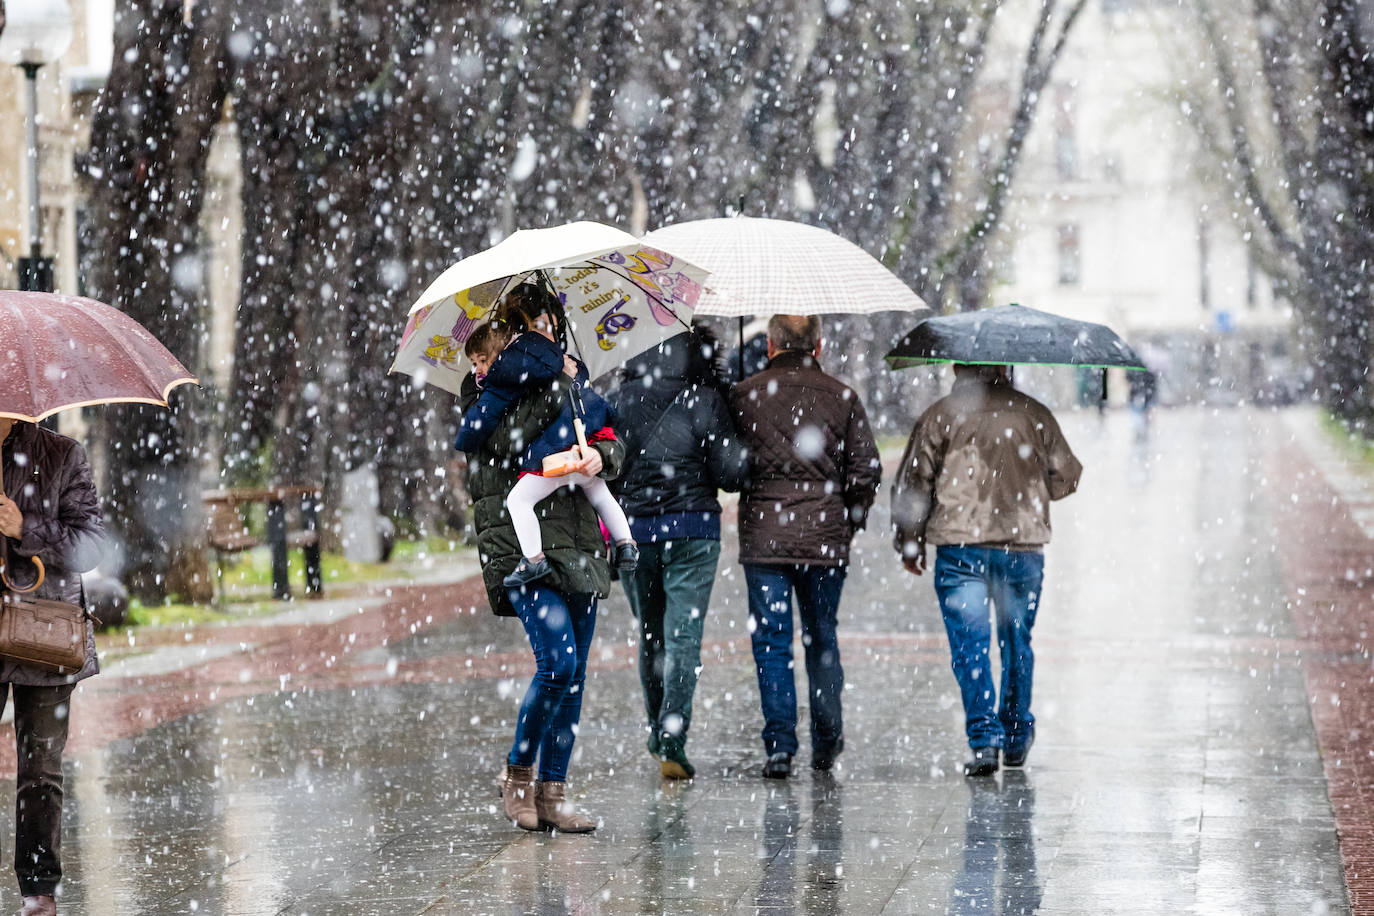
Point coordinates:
[[1012, 335]]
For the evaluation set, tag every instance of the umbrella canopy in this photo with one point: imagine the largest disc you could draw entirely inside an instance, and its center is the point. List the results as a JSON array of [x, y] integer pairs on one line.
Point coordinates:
[[620, 296], [1012, 334], [777, 266], [59, 352]]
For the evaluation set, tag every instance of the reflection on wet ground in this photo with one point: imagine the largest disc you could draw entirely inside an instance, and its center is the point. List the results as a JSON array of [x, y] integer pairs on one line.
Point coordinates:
[[998, 874], [1175, 767]]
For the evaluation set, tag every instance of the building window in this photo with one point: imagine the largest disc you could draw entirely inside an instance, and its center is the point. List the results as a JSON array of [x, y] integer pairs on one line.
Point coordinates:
[[1111, 168], [1251, 280], [1065, 141], [1204, 266], [1069, 257]]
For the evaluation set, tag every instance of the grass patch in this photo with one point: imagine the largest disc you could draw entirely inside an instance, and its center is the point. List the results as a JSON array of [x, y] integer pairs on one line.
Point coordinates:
[[247, 582], [161, 615], [1353, 445], [891, 445], [423, 548], [252, 569]]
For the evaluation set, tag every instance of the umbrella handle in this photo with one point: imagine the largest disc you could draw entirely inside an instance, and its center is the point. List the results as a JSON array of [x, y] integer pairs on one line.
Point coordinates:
[[5, 576], [579, 427]]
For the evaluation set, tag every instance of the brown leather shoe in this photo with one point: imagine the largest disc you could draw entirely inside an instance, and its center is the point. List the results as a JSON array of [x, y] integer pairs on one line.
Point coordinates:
[[39, 906], [557, 813], [518, 795]]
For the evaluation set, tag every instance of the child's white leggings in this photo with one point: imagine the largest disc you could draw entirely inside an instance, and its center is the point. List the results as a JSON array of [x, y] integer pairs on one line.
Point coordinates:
[[532, 488]]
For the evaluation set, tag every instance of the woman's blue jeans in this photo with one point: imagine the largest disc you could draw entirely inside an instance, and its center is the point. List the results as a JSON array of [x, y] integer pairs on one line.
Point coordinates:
[[770, 615], [560, 631], [967, 579]]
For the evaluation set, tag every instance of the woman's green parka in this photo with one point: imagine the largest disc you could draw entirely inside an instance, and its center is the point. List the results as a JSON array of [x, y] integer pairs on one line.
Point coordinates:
[[568, 524]]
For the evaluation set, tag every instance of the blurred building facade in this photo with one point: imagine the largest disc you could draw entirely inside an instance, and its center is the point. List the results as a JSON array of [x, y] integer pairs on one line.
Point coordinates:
[[1112, 222], [58, 130], [64, 90]]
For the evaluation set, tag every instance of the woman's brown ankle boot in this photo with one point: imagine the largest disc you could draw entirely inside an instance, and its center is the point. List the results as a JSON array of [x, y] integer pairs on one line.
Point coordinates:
[[557, 813], [517, 794]]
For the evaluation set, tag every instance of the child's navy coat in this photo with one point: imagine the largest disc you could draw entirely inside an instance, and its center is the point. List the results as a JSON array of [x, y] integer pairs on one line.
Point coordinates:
[[530, 359]]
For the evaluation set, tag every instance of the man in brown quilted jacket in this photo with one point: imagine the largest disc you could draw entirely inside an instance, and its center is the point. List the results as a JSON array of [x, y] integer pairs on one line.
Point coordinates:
[[977, 479], [813, 473]]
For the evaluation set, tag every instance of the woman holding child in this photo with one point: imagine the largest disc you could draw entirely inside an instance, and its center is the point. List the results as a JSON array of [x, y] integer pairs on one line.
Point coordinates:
[[558, 607]]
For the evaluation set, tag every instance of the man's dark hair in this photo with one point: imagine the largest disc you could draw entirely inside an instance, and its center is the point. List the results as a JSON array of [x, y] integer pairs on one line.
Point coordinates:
[[794, 332]]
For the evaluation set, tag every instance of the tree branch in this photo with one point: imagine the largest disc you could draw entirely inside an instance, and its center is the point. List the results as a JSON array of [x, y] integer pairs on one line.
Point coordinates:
[[1240, 140], [1037, 74]]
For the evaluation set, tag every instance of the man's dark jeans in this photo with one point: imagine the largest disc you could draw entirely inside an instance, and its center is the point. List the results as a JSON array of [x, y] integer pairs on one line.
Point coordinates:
[[967, 580], [560, 629], [770, 619], [669, 592], [41, 715]]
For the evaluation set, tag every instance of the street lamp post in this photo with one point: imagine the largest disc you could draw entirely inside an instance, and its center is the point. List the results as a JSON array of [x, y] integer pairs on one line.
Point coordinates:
[[36, 32]]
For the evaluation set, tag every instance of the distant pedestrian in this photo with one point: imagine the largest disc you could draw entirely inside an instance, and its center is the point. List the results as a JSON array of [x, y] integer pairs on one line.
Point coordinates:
[[976, 480], [1144, 389], [813, 473], [48, 509], [682, 447], [558, 610]]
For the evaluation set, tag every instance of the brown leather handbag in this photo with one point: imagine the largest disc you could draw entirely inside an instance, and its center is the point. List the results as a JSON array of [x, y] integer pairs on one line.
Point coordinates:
[[37, 631]]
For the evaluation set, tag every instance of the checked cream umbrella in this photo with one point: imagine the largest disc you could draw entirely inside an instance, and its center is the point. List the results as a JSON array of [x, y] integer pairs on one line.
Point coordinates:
[[59, 352], [620, 296], [776, 266]]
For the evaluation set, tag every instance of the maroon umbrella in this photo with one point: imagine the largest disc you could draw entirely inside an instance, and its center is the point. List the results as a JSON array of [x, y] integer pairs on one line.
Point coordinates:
[[58, 352]]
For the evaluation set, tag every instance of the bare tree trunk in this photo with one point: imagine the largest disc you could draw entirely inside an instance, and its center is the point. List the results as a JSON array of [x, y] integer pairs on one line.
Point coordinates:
[[151, 134], [968, 258], [1318, 214]]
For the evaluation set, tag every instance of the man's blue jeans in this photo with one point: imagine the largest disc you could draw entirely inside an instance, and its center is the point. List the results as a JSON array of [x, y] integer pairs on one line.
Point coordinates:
[[967, 579], [669, 592], [560, 630], [770, 619]]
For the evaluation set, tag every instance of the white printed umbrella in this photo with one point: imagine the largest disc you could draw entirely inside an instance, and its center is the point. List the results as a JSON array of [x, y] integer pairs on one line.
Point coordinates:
[[777, 266], [621, 296]]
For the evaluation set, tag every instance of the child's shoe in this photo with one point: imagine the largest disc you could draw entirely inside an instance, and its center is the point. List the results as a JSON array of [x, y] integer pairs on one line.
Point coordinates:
[[527, 571], [626, 556]]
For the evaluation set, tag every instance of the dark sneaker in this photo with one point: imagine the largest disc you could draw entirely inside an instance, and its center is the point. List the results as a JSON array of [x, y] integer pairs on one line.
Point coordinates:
[[779, 766], [626, 557], [1016, 757], [984, 762], [674, 763], [654, 743], [527, 572], [823, 758]]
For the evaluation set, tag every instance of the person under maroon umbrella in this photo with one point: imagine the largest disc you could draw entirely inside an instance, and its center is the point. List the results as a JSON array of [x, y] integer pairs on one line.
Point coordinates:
[[57, 352], [48, 510]]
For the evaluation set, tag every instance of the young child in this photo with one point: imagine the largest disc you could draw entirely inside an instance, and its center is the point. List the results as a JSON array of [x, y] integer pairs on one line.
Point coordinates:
[[507, 363]]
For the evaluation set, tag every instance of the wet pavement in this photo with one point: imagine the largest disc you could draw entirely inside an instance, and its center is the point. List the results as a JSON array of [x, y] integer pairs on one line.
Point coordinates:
[[342, 759]]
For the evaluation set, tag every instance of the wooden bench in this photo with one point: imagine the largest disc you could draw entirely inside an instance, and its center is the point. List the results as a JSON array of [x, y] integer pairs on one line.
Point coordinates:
[[228, 531]]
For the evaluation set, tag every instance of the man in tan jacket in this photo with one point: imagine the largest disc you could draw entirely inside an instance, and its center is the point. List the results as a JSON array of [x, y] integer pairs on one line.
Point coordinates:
[[976, 480]]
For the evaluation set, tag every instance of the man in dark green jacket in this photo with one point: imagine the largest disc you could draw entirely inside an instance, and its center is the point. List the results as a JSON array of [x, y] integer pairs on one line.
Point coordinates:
[[672, 414]]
